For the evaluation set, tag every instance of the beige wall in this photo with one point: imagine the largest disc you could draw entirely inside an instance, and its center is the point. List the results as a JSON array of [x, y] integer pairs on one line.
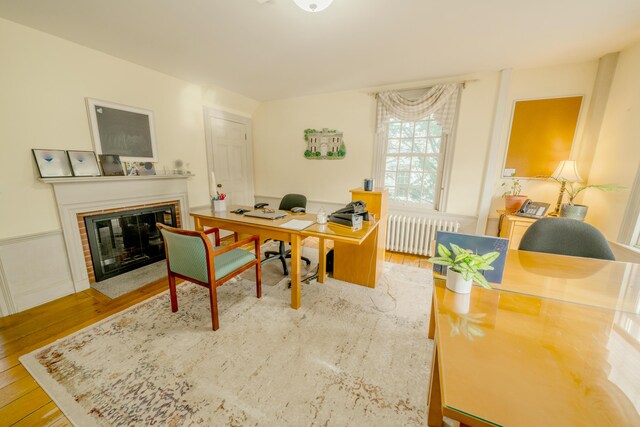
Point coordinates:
[[280, 167], [564, 80], [44, 81], [617, 156]]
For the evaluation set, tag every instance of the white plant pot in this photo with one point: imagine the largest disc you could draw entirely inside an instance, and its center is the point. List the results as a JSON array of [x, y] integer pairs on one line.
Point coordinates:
[[456, 283]]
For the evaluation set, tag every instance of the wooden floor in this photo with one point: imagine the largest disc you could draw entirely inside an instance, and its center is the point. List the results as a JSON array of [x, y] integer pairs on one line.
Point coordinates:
[[22, 401]]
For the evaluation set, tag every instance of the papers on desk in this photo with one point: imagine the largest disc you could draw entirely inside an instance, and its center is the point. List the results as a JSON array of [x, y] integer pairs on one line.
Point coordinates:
[[296, 224]]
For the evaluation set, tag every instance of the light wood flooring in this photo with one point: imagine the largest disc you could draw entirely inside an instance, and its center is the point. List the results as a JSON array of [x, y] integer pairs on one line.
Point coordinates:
[[22, 401]]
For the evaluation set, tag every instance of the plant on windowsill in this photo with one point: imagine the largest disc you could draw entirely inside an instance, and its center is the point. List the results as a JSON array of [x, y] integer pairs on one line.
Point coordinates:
[[511, 195], [464, 267]]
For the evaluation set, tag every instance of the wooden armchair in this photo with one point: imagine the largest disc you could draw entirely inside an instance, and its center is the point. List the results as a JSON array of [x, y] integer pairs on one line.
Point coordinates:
[[192, 256]]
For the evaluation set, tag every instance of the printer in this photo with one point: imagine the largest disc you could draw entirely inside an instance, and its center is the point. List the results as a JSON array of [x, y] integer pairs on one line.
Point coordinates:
[[352, 215]]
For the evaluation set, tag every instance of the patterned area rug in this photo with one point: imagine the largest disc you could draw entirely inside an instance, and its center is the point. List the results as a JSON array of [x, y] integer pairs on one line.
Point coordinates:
[[350, 356]]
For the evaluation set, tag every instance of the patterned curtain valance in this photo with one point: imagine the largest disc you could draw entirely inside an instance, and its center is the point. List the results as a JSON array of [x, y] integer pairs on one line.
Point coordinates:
[[439, 100]]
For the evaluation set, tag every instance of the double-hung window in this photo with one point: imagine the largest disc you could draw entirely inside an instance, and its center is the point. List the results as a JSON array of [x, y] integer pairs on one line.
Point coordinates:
[[414, 161], [413, 138]]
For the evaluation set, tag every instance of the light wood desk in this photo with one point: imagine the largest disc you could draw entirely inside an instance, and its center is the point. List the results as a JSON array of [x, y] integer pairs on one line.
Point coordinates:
[[271, 229], [523, 355]]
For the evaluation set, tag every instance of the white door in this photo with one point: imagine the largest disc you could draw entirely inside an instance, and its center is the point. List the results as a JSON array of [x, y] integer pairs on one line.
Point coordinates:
[[231, 157]]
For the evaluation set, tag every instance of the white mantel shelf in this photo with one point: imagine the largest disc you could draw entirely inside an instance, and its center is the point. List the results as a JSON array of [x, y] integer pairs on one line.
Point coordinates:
[[74, 179]]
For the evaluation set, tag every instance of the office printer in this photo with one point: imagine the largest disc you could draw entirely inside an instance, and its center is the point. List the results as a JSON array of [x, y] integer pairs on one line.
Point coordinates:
[[351, 215]]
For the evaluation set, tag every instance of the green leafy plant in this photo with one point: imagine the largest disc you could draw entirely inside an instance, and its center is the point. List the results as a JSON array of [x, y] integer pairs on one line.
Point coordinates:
[[573, 189], [307, 153], [511, 189], [465, 262]]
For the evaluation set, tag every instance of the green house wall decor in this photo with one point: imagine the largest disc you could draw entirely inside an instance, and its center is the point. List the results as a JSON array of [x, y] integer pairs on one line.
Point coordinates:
[[326, 144]]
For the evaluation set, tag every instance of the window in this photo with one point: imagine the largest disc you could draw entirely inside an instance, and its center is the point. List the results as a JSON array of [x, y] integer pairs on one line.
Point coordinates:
[[413, 160], [414, 143]]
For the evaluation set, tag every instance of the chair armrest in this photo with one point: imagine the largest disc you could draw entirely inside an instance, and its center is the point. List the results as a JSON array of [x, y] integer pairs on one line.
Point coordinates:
[[238, 244], [214, 230]]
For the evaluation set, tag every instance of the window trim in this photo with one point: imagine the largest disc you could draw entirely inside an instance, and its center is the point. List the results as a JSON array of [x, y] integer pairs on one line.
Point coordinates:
[[630, 228]]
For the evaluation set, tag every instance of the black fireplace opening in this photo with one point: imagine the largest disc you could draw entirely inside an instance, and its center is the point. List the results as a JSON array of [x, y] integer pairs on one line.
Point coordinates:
[[123, 241]]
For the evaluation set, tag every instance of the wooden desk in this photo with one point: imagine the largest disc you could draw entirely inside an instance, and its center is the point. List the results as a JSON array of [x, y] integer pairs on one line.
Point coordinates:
[[364, 264], [271, 229], [527, 356]]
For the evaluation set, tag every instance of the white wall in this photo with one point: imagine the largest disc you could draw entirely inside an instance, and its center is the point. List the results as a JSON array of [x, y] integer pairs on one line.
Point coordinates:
[[617, 156], [281, 168], [564, 80], [44, 81]]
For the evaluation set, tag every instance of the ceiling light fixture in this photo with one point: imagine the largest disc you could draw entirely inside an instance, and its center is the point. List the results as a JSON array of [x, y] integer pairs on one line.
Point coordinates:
[[313, 5]]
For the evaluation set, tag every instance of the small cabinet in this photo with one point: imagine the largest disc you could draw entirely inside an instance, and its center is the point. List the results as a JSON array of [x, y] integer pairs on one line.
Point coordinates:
[[513, 228]]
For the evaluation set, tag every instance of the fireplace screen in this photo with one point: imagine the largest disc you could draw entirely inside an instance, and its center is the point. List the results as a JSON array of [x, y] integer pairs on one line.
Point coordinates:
[[123, 241]]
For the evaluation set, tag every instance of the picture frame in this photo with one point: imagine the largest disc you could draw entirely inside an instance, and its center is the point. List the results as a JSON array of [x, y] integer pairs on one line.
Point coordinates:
[[83, 163], [541, 134], [139, 168], [111, 165], [123, 130], [52, 163]]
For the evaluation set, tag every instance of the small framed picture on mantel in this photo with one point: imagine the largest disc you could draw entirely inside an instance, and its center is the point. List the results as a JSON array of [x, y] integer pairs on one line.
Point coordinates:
[[52, 163], [83, 163]]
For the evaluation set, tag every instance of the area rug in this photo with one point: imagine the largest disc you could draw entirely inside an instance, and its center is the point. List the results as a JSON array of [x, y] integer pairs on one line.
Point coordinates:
[[349, 356]]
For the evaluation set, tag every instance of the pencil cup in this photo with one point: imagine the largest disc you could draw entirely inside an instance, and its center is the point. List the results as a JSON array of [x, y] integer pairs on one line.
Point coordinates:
[[219, 205]]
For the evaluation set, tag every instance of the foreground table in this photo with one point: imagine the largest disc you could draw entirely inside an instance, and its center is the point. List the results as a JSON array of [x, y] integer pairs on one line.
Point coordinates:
[[508, 359]]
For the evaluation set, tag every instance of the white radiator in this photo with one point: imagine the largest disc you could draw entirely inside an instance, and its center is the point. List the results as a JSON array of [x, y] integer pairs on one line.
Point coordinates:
[[415, 235]]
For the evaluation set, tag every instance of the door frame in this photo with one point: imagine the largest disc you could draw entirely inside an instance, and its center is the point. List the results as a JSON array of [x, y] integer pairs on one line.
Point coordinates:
[[212, 113]]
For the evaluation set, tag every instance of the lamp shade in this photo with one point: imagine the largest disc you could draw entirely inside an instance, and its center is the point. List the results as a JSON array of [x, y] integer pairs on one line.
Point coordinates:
[[313, 5], [567, 171]]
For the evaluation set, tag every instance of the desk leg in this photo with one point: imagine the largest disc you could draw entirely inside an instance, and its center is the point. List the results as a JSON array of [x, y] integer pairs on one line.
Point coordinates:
[[197, 224], [322, 262], [432, 317], [434, 400], [295, 271]]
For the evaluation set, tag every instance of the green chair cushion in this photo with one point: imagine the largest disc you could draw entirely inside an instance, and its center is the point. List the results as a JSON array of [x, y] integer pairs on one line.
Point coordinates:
[[231, 261]]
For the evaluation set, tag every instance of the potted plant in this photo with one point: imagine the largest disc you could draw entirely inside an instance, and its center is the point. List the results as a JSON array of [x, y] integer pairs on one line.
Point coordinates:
[[575, 211], [464, 267], [511, 195]]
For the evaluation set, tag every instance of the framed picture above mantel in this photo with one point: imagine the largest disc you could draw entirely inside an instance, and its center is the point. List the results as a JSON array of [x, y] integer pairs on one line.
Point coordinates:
[[117, 129]]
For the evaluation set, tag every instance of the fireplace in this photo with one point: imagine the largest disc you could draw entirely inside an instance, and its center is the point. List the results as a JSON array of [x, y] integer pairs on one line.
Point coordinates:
[[121, 240]]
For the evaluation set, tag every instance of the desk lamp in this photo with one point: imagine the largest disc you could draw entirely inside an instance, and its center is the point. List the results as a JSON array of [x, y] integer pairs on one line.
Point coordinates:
[[567, 171]]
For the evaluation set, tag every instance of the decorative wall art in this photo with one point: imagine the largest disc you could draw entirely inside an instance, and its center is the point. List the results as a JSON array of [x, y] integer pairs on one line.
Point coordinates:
[[122, 130], [84, 163], [324, 145], [111, 165], [541, 135], [52, 163], [139, 168]]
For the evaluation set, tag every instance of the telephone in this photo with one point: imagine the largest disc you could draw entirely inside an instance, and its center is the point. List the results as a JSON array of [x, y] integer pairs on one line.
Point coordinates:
[[260, 205], [532, 209]]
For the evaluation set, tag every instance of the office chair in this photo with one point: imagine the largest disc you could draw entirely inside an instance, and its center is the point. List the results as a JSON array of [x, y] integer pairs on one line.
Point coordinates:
[[566, 236], [288, 202], [192, 256]]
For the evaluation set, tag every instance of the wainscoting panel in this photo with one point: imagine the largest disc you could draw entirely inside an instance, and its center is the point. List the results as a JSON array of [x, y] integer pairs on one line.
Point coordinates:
[[34, 269]]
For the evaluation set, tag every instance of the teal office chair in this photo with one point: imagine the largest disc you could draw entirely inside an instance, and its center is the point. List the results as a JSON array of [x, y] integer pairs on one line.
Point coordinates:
[[566, 236], [191, 256], [287, 203]]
